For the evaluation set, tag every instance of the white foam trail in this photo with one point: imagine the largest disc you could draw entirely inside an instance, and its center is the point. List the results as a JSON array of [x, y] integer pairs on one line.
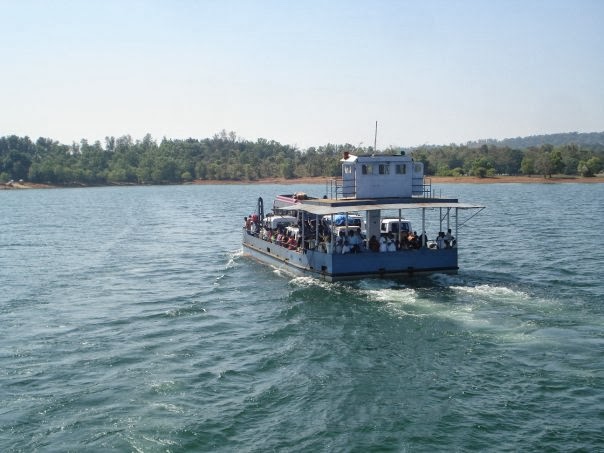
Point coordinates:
[[505, 313], [281, 272], [402, 302], [399, 296], [447, 279], [375, 284], [308, 282], [500, 293], [303, 281], [233, 257], [478, 313]]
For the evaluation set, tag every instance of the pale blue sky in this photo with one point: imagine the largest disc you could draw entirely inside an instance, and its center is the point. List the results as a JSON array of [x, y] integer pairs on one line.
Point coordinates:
[[303, 73]]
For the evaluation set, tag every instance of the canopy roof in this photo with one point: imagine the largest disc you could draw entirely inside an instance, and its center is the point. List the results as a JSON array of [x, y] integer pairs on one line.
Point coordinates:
[[327, 209]]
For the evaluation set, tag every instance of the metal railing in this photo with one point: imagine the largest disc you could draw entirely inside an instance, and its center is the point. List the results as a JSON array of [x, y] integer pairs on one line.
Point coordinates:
[[427, 188], [335, 188]]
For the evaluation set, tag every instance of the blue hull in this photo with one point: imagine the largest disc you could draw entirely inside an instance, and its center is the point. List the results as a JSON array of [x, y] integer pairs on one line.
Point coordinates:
[[351, 266]]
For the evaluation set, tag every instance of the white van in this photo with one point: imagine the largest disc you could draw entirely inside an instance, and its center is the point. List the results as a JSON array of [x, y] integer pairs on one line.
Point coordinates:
[[394, 226], [347, 230], [276, 221]]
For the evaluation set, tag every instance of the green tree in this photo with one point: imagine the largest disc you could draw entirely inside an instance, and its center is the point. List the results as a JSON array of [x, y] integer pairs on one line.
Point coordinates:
[[555, 157], [443, 170], [545, 163], [527, 167], [591, 167], [287, 169], [482, 167]]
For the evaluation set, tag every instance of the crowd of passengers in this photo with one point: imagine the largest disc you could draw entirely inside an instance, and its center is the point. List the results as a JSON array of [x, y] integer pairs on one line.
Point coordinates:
[[351, 242]]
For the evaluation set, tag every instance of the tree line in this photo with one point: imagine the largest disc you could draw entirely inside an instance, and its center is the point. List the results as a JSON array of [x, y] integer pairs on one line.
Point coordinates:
[[224, 157], [488, 160], [565, 138]]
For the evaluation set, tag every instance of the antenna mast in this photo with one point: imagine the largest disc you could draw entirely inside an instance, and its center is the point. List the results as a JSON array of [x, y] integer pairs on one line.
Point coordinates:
[[375, 139]]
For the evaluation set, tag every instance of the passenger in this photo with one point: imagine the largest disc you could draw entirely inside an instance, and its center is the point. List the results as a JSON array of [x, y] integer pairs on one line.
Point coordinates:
[[359, 240], [374, 245], [383, 246], [423, 239], [440, 240], [292, 244], [309, 229], [396, 242], [346, 246], [403, 243], [355, 241], [449, 239], [390, 244], [340, 242], [412, 240]]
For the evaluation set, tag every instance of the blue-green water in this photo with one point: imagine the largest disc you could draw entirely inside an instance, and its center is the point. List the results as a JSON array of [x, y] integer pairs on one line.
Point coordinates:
[[129, 321]]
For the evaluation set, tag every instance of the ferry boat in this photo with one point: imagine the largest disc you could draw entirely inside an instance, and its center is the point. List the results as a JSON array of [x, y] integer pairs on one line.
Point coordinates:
[[357, 228]]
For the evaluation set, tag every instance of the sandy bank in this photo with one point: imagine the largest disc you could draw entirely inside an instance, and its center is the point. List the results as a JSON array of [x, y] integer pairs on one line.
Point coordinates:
[[25, 185], [433, 179], [323, 180]]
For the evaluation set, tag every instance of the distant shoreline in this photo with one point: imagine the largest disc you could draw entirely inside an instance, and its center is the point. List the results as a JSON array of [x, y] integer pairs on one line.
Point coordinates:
[[323, 180], [433, 179]]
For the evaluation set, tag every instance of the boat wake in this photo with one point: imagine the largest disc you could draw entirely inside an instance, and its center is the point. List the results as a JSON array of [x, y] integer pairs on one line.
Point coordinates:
[[310, 282], [492, 313], [447, 279], [233, 257], [506, 312], [493, 293]]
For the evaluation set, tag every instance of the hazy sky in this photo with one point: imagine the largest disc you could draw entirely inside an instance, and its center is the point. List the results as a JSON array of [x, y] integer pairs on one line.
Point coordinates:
[[303, 73]]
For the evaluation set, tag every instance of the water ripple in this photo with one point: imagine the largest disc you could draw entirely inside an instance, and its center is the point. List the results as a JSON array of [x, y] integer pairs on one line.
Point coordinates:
[[132, 322]]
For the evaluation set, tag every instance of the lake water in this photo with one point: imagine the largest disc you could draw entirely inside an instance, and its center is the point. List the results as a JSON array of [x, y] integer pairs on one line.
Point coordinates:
[[129, 321]]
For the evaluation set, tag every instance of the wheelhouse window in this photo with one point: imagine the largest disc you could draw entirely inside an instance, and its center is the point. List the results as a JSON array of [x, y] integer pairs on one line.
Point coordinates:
[[384, 169], [401, 169], [348, 169], [367, 169]]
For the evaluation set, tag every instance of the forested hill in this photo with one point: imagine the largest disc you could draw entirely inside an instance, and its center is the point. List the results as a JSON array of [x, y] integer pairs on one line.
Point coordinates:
[[123, 160], [587, 139]]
